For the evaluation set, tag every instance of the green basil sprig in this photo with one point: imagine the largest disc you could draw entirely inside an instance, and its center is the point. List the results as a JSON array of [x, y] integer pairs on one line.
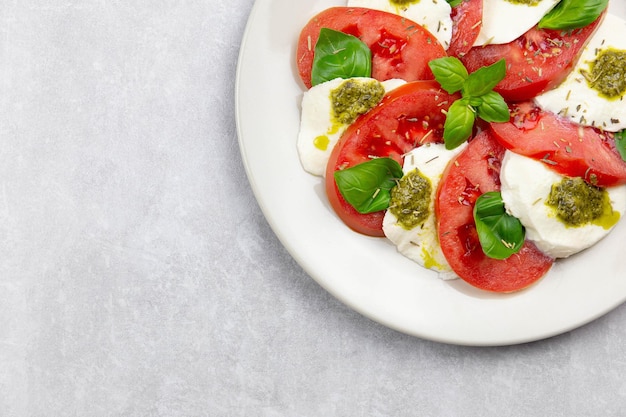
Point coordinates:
[[620, 143], [573, 14], [501, 235], [339, 55], [367, 186], [454, 3], [478, 98]]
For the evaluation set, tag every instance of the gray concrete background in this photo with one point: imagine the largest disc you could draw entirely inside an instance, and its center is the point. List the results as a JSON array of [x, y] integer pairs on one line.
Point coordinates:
[[139, 278]]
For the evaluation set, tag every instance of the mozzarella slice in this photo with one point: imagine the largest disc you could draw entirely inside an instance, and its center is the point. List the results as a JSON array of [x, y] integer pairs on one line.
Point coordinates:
[[575, 99], [526, 184], [434, 15], [421, 244], [318, 131], [505, 21]]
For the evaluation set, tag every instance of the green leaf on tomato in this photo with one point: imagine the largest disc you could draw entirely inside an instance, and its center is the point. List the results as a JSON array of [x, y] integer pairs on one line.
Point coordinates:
[[449, 72], [493, 108], [459, 123], [620, 143], [367, 186], [484, 79], [573, 14], [339, 55], [454, 3], [478, 98], [501, 235]]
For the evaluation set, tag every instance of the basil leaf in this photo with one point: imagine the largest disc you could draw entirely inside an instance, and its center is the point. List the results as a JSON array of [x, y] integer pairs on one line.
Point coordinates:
[[501, 235], [454, 3], [620, 143], [573, 14], [339, 55], [478, 98], [367, 186], [449, 72], [493, 108], [484, 79], [459, 123]]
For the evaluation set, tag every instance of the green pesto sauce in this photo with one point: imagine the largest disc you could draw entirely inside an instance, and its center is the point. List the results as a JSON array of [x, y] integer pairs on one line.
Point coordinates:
[[606, 73], [577, 203], [527, 2], [401, 3], [410, 199], [353, 98]]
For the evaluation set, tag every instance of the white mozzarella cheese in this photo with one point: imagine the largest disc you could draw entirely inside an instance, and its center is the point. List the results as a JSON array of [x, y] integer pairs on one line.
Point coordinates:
[[505, 21], [318, 131], [575, 99], [421, 244], [526, 184], [434, 15]]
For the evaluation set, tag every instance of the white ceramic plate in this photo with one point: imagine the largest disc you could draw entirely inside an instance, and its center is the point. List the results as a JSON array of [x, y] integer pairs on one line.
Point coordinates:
[[368, 274]]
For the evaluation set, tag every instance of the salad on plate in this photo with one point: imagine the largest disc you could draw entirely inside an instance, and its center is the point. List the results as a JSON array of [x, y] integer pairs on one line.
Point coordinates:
[[484, 138]]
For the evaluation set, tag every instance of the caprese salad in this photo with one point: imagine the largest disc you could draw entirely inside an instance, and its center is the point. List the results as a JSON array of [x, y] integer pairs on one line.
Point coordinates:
[[484, 138]]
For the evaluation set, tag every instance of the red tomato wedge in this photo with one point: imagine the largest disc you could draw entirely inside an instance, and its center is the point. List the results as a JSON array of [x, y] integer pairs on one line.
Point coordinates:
[[476, 170], [536, 61], [466, 24], [405, 118], [400, 47], [565, 147]]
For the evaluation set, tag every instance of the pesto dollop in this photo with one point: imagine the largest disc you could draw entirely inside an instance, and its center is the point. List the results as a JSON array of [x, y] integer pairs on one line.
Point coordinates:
[[355, 97], [403, 2], [410, 199], [606, 73], [578, 203], [527, 2]]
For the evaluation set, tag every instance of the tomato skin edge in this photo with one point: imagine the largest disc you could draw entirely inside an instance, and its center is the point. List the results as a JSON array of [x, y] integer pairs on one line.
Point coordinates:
[[369, 224]]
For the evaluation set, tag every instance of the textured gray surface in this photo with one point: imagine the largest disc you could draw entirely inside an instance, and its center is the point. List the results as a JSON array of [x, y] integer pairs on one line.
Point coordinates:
[[138, 277]]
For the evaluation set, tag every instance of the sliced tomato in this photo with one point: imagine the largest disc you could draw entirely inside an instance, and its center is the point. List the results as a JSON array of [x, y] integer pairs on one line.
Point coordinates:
[[466, 24], [566, 147], [405, 118], [475, 171], [400, 47], [536, 61]]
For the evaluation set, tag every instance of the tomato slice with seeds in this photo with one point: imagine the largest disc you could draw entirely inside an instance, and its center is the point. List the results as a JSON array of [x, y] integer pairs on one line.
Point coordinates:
[[565, 147], [400, 47], [476, 170], [406, 117], [536, 61], [466, 24]]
